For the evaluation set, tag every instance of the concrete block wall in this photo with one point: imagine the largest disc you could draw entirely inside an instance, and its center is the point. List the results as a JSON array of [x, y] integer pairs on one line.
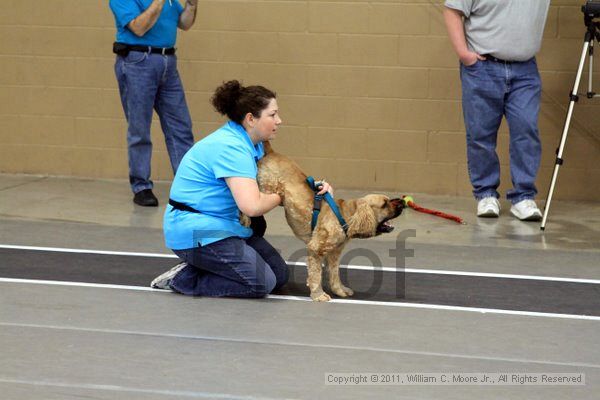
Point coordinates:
[[368, 90]]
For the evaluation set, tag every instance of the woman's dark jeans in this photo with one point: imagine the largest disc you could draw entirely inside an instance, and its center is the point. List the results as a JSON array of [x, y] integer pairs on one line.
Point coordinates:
[[232, 267]]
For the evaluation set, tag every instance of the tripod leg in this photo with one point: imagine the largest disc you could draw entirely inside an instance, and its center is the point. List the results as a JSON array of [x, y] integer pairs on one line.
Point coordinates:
[[590, 92], [563, 138]]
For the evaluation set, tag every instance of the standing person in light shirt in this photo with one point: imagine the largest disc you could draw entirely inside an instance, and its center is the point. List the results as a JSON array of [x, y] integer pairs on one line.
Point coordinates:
[[496, 42]]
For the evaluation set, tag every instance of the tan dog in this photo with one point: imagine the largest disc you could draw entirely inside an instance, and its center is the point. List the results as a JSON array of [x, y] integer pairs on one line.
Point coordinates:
[[366, 217]]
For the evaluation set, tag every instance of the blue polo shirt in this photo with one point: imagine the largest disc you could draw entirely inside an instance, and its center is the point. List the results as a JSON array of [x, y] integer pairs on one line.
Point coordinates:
[[200, 184], [162, 34]]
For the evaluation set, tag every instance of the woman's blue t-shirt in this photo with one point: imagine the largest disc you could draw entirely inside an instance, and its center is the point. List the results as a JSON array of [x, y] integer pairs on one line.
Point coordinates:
[[200, 184]]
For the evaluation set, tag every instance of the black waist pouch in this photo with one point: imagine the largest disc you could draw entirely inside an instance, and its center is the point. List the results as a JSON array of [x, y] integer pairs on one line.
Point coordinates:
[[258, 225], [120, 49]]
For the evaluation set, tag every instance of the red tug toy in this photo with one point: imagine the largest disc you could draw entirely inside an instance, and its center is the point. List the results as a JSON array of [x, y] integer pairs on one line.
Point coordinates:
[[409, 202]]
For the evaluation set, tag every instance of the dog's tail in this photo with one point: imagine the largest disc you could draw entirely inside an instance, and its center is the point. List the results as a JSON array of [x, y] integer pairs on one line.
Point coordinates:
[[267, 147]]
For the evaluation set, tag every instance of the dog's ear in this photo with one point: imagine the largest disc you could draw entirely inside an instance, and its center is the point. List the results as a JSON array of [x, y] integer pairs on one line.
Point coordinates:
[[362, 223]]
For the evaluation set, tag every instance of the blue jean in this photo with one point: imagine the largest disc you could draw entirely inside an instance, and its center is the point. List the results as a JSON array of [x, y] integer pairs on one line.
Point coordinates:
[[146, 82], [231, 267], [491, 90]]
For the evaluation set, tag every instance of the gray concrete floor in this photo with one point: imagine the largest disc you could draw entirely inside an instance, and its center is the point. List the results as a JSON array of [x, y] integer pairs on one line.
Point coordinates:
[[61, 342]]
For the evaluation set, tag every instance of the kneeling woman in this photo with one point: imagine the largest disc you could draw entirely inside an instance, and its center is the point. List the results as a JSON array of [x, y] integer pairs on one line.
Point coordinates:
[[214, 182]]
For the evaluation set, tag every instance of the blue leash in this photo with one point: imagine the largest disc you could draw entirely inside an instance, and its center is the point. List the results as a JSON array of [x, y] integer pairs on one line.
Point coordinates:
[[317, 206]]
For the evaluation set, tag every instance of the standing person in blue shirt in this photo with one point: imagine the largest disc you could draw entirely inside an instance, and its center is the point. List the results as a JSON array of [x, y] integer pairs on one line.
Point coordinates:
[[496, 42], [215, 181], [146, 70]]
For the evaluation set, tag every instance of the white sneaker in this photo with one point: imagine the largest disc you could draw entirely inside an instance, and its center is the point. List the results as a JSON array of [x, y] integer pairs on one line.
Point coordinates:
[[163, 281], [526, 210], [488, 207]]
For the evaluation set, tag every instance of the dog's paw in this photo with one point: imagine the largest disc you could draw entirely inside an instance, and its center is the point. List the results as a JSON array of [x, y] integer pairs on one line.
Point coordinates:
[[342, 291], [322, 296]]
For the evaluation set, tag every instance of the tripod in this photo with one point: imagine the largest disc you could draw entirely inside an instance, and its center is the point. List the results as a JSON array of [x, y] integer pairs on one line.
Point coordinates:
[[593, 33]]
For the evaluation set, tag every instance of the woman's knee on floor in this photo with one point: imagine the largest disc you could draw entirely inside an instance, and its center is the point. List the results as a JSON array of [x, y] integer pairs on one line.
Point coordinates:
[[282, 275], [265, 285]]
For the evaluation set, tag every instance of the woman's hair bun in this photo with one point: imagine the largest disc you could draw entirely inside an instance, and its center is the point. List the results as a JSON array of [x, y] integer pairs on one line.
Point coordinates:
[[225, 97], [235, 101]]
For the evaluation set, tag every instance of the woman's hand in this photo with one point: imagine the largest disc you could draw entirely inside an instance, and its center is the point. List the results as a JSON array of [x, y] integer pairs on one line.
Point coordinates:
[[325, 187]]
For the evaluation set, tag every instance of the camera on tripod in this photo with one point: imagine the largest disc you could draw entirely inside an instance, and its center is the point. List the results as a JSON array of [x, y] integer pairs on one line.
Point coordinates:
[[591, 9]]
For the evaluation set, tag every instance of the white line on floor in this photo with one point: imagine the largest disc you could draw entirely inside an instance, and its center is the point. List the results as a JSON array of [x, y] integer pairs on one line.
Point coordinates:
[[80, 284], [353, 267], [271, 341], [334, 301], [115, 388], [87, 251]]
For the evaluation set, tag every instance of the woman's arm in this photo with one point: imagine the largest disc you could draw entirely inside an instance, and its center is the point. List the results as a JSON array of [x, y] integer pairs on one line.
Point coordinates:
[[249, 199]]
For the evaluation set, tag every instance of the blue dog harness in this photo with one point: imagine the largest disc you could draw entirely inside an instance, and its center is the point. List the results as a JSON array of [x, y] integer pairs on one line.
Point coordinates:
[[316, 187]]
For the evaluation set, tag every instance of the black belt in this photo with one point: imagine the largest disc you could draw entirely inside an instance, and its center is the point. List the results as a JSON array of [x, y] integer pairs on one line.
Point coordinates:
[[498, 60], [182, 207], [123, 49], [165, 51], [257, 224]]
